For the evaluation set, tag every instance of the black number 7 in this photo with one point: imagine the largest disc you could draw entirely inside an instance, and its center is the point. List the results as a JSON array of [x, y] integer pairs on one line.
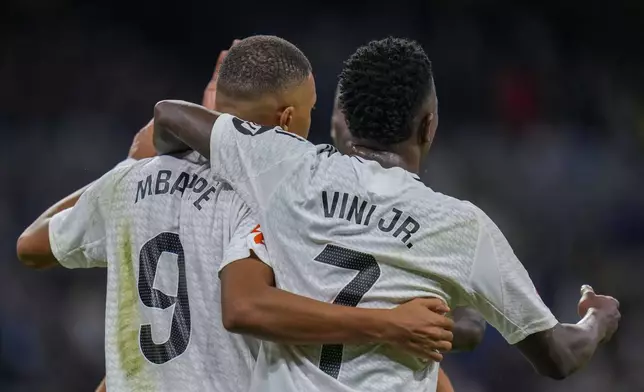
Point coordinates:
[[350, 295]]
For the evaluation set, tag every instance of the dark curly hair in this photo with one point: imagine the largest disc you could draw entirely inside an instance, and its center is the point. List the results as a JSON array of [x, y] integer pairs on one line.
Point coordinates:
[[382, 87], [262, 64]]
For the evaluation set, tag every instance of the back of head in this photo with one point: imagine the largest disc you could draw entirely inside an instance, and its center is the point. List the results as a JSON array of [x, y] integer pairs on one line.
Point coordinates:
[[384, 87], [267, 80], [260, 65]]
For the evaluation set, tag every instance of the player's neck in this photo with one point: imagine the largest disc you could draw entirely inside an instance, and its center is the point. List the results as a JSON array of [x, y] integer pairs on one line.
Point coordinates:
[[246, 110], [408, 160]]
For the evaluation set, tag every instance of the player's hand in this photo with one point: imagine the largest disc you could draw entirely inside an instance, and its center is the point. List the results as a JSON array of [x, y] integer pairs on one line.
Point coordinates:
[[421, 329], [143, 145], [210, 93], [607, 306]]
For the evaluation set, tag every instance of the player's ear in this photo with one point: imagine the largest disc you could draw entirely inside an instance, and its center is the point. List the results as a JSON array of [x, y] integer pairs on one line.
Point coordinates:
[[426, 129], [286, 118]]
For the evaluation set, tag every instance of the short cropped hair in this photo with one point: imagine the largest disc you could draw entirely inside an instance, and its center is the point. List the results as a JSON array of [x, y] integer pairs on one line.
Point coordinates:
[[262, 64], [382, 87]]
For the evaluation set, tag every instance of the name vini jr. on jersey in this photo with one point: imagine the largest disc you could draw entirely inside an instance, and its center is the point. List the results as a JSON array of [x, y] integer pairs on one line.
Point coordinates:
[[165, 183], [352, 208]]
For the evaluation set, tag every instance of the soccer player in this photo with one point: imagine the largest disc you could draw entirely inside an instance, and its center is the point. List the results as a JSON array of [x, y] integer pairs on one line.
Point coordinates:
[[163, 227], [345, 229], [469, 325]]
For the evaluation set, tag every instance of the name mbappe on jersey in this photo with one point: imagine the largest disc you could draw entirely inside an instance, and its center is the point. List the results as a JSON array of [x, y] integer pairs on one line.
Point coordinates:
[[356, 212], [165, 182]]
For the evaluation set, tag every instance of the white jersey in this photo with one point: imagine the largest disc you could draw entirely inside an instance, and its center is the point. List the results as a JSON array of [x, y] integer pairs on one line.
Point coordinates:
[[344, 230], [163, 228]]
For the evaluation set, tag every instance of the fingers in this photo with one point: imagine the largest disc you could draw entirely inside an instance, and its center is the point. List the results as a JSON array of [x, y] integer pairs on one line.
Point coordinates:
[[442, 335], [443, 346], [434, 304], [586, 290], [430, 345], [220, 59], [142, 144], [440, 322], [149, 127], [430, 349], [615, 299], [437, 319], [435, 356], [436, 339], [426, 356], [210, 93], [587, 294]]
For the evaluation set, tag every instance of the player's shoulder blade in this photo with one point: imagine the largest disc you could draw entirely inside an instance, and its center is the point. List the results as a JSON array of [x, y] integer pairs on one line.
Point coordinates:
[[434, 204]]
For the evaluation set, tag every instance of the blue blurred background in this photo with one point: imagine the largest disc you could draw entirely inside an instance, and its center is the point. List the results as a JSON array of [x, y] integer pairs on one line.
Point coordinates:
[[542, 125]]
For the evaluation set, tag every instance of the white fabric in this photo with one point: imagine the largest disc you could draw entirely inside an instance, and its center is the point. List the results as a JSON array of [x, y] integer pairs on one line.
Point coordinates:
[[164, 198], [327, 220]]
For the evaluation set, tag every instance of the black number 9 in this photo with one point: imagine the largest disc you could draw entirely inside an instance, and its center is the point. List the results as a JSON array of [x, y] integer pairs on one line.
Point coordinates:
[[153, 298]]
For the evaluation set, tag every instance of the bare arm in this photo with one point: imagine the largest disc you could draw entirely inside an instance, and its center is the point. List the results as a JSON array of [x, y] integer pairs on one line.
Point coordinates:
[[33, 246], [566, 348], [251, 305], [559, 352], [165, 141], [180, 126], [555, 350]]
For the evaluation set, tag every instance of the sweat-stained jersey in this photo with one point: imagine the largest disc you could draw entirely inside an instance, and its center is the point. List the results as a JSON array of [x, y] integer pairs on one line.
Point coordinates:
[[163, 228], [344, 230]]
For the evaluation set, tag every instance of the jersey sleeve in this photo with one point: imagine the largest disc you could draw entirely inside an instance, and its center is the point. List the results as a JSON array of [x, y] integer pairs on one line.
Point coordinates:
[[77, 235], [501, 289], [254, 159], [246, 236]]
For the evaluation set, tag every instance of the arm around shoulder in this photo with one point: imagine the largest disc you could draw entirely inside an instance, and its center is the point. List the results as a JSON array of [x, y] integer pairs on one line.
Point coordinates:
[[180, 126], [251, 305]]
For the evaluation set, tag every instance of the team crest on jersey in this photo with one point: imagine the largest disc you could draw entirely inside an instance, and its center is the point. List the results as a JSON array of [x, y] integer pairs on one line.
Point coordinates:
[[249, 128], [258, 236]]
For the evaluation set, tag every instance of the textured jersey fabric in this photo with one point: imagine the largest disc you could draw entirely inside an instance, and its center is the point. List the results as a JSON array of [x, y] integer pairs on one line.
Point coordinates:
[[163, 228], [344, 230]]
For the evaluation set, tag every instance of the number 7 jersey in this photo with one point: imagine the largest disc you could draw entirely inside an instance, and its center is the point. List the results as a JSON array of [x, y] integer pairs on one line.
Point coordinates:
[[163, 228], [344, 230]]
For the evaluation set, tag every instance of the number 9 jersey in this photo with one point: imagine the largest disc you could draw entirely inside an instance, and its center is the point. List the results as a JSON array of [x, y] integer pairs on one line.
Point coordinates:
[[162, 228]]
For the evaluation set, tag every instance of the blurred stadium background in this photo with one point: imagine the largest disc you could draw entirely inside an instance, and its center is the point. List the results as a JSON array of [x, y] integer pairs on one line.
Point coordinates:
[[542, 125]]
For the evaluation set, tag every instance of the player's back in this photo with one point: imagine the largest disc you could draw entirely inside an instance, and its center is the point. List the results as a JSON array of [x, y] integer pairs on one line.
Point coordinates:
[[168, 224], [346, 230], [358, 241]]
